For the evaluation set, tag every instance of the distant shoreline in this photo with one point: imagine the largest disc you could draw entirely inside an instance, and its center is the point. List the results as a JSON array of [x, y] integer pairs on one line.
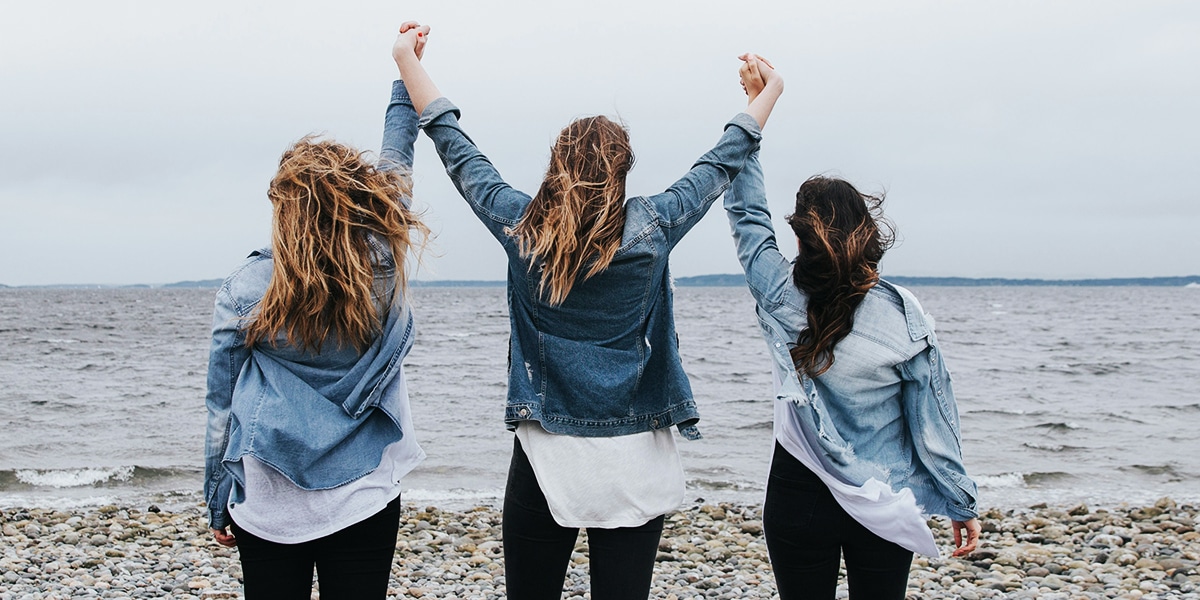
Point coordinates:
[[728, 280]]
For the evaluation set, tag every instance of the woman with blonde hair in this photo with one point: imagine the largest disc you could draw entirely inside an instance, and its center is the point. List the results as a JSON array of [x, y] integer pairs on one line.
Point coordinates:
[[866, 426], [595, 379], [309, 431]]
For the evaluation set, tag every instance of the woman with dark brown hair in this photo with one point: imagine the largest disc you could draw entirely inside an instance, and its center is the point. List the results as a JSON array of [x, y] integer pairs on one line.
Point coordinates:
[[866, 426], [595, 381], [309, 428]]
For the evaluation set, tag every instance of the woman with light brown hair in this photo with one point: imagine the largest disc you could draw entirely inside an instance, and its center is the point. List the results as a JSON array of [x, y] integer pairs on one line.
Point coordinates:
[[595, 381], [309, 428]]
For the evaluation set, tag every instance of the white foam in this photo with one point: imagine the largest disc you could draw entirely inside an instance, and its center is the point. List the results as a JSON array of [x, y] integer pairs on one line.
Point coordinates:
[[68, 478], [458, 497], [1002, 480]]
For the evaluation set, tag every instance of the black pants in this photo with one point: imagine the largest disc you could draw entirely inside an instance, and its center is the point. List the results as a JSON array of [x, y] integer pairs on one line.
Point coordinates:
[[355, 562], [537, 550], [808, 533]]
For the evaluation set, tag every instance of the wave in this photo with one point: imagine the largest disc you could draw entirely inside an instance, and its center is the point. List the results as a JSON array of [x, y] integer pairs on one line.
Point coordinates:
[[767, 425], [452, 496], [93, 477], [1057, 426], [1006, 411], [698, 483], [1052, 447], [1021, 480], [1187, 408], [1169, 471]]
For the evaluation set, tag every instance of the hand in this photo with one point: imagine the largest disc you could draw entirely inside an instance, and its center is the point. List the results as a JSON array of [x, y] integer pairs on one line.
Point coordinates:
[[410, 41], [968, 546], [756, 72], [224, 538]]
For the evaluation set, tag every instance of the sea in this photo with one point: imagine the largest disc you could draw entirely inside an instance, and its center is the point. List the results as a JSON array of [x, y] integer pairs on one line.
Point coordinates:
[[1066, 394]]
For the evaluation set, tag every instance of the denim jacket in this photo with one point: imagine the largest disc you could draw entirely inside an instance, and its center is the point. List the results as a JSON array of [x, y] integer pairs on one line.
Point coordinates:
[[885, 409], [319, 418], [606, 361]]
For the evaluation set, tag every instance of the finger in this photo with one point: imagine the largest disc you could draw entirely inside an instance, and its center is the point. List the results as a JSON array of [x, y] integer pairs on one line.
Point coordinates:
[[405, 26], [957, 535], [754, 68], [425, 30], [765, 61]]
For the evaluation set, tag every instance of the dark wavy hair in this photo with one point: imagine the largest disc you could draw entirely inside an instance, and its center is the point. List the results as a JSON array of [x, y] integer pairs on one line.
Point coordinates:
[[843, 235]]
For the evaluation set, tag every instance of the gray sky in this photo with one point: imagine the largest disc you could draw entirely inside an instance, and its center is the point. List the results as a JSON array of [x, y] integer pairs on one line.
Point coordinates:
[[1014, 139]]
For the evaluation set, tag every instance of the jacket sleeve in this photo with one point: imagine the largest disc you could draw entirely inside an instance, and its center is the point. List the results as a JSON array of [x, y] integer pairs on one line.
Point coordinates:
[[399, 134], [496, 203], [687, 200], [767, 271], [225, 360], [932, 417]]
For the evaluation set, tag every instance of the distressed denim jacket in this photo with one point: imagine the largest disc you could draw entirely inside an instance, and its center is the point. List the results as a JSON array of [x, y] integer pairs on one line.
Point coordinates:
[[885, 409], [319, 418], [606, 361]]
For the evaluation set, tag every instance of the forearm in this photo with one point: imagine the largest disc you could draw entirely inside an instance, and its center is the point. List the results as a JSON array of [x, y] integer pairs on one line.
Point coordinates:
[[761, 105], [420, 86]]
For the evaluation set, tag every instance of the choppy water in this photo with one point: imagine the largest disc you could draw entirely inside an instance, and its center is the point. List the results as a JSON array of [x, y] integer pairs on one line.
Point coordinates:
[[1066, 393]]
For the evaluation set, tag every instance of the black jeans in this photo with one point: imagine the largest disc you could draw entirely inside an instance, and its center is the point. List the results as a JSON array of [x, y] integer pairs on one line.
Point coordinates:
[[537, 550], [355, 562], [808, 533]]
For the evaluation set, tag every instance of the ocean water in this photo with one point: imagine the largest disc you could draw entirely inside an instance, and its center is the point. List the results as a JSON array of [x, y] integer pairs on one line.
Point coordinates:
[[1066, 394]]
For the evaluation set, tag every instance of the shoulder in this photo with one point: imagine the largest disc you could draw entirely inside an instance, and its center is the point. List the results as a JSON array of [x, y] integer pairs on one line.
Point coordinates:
[[891, 315], [245, 286]]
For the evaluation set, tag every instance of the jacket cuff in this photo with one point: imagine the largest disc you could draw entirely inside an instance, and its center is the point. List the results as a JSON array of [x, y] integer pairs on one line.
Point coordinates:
[[400, 93], [958, 513], [748, 124], [435, 110]]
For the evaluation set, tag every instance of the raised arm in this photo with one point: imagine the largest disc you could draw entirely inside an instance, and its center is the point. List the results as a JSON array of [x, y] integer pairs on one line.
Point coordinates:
[[496, 203], [687, 200], [768, 273]]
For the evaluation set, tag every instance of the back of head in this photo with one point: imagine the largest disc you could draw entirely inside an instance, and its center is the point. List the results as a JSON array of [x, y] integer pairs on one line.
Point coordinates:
[[578, 215], [842, 236], [328, 200]]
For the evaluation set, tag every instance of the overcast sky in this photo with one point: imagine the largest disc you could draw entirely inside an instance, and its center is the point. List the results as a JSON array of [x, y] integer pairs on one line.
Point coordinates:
[[1013, 139]]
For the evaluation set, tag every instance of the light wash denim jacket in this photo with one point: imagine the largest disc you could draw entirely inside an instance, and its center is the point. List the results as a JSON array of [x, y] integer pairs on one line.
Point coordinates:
[[320, 419], [605, 362], [885, 409]]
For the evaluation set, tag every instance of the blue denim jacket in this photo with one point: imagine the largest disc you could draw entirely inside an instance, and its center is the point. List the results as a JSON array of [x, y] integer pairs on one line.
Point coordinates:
[[606, 361], [885, 409], [320, 419]]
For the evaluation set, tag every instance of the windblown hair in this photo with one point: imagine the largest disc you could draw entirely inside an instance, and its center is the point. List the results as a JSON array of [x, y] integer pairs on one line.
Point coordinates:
[[574, 223], [843, 236], [328, 199]]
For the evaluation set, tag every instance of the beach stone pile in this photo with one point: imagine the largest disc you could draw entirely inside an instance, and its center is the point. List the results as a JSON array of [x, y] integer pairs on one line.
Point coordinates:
[[707, 552]]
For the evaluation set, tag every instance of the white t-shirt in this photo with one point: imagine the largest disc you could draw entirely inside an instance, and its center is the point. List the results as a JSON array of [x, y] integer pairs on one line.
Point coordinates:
[[277, 510], [893, 516], [605, 482]]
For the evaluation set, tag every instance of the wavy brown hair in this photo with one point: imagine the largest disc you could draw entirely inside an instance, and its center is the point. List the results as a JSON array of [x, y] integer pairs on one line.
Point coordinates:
[[574, 223], [328, 200], [842, 235]]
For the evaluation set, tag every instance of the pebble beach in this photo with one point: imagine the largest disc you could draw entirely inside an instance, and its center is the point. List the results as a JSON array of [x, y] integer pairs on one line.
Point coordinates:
[[707, 552]]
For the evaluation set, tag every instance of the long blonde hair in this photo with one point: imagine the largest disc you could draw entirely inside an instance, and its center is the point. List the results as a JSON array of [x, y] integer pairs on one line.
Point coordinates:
[[578, 214], [328, 199]]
